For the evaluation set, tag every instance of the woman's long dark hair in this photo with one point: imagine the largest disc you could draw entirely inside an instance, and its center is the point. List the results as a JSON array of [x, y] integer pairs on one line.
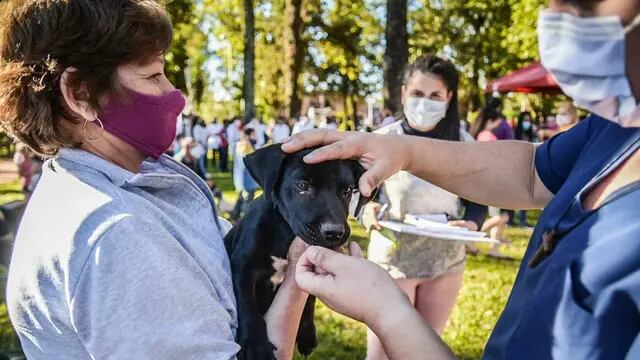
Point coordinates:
[[489, 112], [449, 127]]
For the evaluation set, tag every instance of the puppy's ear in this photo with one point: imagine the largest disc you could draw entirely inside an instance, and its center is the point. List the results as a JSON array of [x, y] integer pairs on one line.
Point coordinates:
[[358, 170], [264, 166]]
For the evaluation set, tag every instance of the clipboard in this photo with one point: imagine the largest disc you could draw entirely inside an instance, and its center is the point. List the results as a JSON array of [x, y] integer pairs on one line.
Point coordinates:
[[446, 232]]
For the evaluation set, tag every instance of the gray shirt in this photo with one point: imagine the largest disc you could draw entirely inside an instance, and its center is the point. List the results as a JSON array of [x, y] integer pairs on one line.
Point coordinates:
[[114, 265]]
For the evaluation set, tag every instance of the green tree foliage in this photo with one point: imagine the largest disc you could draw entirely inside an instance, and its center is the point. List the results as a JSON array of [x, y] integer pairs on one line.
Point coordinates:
[[346, 38], [337, 46], [486, 39]]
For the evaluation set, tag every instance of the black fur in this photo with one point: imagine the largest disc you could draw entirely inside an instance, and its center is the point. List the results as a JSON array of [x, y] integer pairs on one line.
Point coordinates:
[[309, 201]]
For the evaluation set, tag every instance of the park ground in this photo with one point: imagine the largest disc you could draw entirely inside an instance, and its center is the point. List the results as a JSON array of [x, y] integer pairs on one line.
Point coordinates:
[[487, 284]]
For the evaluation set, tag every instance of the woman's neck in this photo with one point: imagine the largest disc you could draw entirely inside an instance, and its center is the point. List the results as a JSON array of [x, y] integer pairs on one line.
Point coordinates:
[[116, 151], [408, 130]]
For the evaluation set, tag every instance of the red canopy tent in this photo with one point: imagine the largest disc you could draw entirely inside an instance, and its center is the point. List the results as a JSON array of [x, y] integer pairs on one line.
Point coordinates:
[[533, 78]]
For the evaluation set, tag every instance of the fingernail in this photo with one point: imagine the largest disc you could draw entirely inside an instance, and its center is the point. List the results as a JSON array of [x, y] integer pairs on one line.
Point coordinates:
[[309, 157]]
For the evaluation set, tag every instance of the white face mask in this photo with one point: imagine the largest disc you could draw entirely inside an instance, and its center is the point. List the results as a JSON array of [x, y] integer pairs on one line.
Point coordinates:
[[587, 58], [526, 125], [562, 120], [424, 114]]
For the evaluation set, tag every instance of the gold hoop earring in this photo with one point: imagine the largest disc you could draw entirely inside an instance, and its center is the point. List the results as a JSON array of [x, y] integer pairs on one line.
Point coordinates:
[[86, 134]]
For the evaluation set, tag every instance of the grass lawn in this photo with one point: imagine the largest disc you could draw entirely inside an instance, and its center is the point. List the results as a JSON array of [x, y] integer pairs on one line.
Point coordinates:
[[486, 287]]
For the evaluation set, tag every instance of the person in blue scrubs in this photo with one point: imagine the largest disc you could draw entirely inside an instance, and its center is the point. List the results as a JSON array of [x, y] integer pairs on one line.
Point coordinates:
[[577, 293]]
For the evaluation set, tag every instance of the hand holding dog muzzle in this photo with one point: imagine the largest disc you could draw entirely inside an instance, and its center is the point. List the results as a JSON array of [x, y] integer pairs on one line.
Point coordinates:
[[349, 285]]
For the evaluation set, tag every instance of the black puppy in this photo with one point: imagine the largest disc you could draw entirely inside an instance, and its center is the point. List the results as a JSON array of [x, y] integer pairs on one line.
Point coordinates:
[[309, 201]]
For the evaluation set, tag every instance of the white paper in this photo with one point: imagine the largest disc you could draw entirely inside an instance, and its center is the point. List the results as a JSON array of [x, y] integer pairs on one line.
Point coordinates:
[[422, 222], [452, 234]]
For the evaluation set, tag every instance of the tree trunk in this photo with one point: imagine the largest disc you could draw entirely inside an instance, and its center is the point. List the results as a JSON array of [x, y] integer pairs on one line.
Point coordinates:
[[475, 102], [248, 83], [396, 54], [354, 106], [294, 56], [345, 99]]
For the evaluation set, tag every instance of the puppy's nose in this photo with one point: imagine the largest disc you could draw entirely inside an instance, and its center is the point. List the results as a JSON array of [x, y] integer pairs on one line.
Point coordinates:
[[332, 232]]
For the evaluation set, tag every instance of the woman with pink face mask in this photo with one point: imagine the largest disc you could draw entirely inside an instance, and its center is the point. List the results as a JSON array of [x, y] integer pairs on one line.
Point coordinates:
[[577, 292], [120, 253]]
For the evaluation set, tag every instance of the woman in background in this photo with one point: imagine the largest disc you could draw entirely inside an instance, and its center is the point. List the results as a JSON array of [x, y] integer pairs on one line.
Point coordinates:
[[566, 118], [428, 270], [525, 131]]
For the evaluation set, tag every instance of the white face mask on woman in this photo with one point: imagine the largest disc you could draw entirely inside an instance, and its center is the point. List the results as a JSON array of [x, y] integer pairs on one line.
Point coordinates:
[[563, 120], [587, 58], [424, 114]]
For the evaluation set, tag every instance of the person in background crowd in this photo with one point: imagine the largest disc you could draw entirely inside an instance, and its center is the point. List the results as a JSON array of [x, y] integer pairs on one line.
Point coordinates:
[[201, 136], [525, 131], [260, 132], [245, 185], [280, 130], [525, 127], [187, 155], [428, 270], [484, 130], [213, 131], [464, 125], [185, 125], [503, 131], [223, 147], [565, 119], [303, 123], [29, 167], [234, 134], [330, 124], [547, 129], [388, 118]]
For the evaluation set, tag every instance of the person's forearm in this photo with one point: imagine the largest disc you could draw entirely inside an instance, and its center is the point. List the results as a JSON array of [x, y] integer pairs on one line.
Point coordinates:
[[283, 318], [498, 173], [406, 336]]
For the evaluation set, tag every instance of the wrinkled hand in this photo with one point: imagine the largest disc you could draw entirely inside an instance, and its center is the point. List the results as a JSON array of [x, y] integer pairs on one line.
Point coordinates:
[[381, 155], [469, 225], [370, 216], [349, 285]]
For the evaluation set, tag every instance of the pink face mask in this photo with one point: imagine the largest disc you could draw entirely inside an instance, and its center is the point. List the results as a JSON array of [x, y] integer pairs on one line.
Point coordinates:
[[146, 122]]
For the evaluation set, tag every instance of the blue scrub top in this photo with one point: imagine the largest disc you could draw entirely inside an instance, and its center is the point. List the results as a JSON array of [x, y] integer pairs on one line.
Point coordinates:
[[583, 301]]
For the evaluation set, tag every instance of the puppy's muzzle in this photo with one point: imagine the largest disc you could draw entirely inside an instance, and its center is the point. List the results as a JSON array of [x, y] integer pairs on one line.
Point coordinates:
[[333, 234]]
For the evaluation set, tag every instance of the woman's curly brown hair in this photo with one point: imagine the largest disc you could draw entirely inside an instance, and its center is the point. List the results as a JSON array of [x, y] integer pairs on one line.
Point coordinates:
[[40, 39]]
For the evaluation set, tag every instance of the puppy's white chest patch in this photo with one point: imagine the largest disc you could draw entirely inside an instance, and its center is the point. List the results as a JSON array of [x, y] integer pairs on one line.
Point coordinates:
[[280, 266]]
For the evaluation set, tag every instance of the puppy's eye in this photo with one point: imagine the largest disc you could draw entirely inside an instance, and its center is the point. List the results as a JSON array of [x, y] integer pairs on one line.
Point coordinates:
[[303, 186]]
